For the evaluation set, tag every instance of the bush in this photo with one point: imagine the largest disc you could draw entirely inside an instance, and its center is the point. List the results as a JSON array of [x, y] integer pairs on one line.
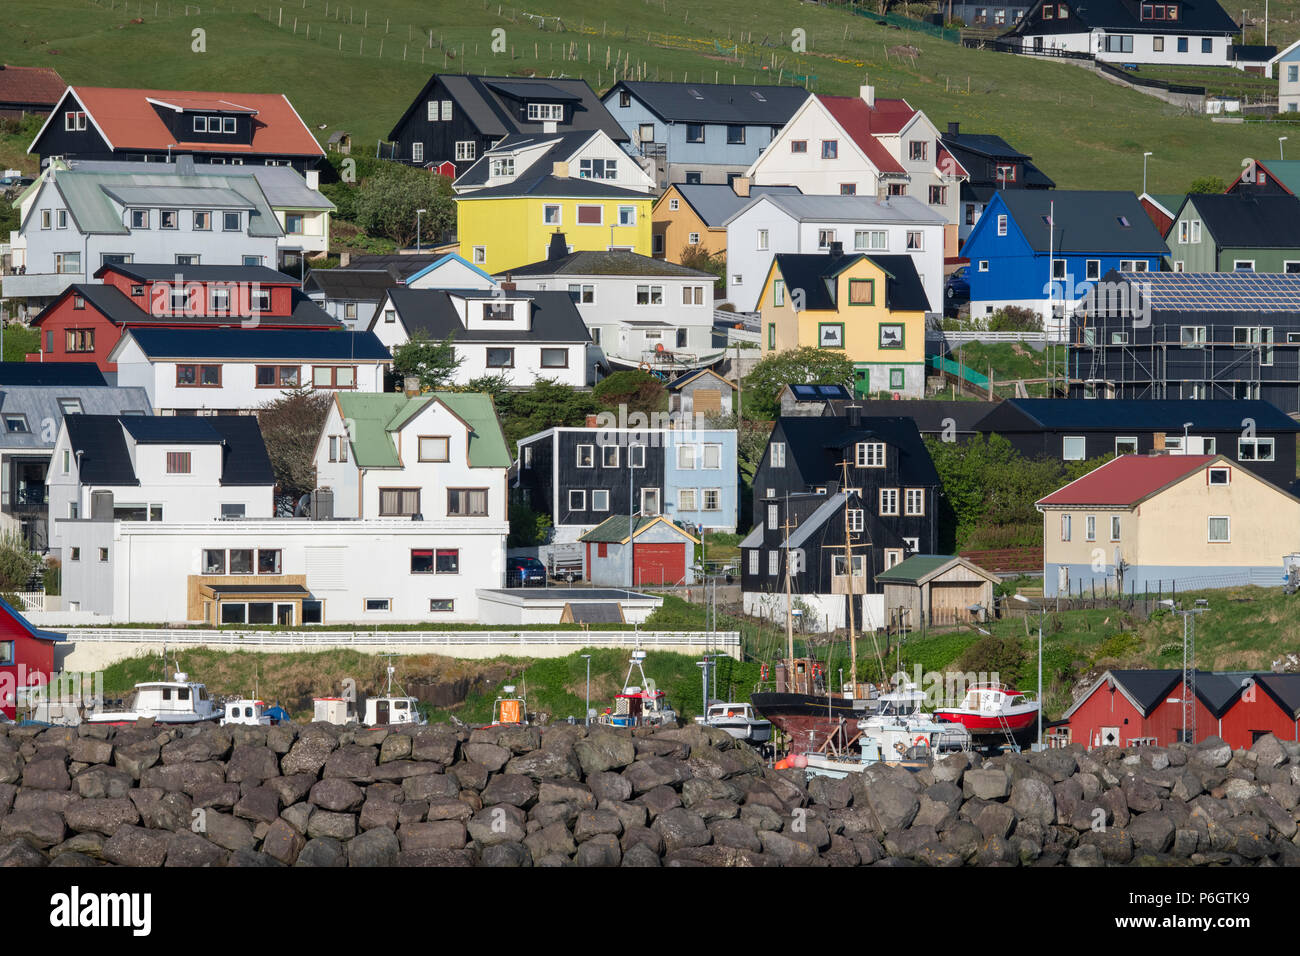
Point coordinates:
[[639, 391], [1004, 656], [17, 562], [1015, 319], [528, 528]]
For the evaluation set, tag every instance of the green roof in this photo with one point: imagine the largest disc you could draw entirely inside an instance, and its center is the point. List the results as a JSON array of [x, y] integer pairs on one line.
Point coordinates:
[[376, 416], [89, 197], [915, 568], [1285, 171], [614, 529]]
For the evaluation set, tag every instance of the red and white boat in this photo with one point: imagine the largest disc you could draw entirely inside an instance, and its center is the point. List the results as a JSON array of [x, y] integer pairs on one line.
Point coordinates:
[[994, 713]]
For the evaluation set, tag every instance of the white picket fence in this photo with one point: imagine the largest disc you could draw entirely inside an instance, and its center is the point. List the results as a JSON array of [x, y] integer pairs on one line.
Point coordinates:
[[521, 639]]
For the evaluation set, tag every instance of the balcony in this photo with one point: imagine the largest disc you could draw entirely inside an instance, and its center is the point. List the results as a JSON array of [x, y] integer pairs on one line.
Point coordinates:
[[37, 285]]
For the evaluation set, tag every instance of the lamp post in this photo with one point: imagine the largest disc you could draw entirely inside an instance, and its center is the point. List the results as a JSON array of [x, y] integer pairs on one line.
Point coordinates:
[[418, 214], [586, 715], [1144, 171], [1280, 153], [1024, 600]]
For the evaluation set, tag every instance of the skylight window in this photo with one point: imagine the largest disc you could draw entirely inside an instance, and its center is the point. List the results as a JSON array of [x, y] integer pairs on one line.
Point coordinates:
[[695, 93], [758, 96], [1123, 221]]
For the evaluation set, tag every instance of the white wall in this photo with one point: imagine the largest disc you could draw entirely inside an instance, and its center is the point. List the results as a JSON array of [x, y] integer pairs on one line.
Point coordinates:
[[345, 562], [777, 166], [1143, 47]]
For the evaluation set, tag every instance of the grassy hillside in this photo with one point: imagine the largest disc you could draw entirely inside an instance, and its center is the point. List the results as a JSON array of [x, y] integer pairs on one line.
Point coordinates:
[[360, 68]]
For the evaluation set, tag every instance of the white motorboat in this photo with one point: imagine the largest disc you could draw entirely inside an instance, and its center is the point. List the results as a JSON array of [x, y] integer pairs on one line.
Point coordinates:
[[176, 701], [739, 720], [249, 712]]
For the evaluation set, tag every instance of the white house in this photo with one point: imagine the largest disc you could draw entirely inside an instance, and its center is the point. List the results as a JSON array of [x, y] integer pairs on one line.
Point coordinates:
[[791, 223], [522, 336], [437, 455], [151, 469], [640, 311], [580, 154], [864, 146], [1176, 32], [1288, 78], [206, 371]]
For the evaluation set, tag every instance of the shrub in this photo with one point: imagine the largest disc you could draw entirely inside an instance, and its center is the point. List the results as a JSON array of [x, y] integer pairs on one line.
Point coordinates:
[[1004, 656]]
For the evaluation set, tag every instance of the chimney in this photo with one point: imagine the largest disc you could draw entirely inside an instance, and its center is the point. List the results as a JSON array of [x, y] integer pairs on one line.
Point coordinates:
[[558, 248], [954, 129], [837, 248], [868, 94], [411, 386], [313, 179], [508, 284], [740, 185], [854, 415], [560, 170], [593, 421]]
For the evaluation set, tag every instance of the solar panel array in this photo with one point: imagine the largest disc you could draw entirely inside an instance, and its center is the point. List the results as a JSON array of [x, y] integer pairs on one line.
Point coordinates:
[[1217, 291], [819, 392]]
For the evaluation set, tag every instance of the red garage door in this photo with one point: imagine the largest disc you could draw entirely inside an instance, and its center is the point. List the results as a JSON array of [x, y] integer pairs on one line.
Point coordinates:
[[660, 563]]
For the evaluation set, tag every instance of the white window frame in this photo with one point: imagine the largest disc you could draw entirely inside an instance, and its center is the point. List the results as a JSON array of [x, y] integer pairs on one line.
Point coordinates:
[[1209, 529], [889, 502], [466, 149], [1066, 456], [776, 456]]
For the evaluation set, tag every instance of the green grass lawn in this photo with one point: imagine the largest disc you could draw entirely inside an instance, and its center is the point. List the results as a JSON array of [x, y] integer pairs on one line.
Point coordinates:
[[18, 341], [1082, 130]]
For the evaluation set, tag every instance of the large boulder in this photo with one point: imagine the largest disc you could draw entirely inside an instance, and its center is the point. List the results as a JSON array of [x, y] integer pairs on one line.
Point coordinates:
[[893, 805], [135, 846]]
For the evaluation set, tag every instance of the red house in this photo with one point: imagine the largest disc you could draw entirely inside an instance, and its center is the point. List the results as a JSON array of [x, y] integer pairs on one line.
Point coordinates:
[[1129, 707], [85, 322], [26, 656]]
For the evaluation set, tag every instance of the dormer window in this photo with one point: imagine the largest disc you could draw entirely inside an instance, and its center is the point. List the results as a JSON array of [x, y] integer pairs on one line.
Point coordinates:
[[1159, 11], [546, 112], [201, 124], [503, 166], [498, 311], [598, 169]]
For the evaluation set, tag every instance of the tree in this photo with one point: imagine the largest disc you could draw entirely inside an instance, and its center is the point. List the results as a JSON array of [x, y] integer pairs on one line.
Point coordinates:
[[17, 562], [1014, 318], [433, 362], [291, 428], [1004, 657], [548, 404], [803, 366], [639, 391], [1208, 184], [387, 204], [699, 257]]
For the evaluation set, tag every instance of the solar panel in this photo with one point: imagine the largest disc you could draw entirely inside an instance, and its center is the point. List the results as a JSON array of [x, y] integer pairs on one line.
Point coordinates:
[[1217, 291], [834, 391]]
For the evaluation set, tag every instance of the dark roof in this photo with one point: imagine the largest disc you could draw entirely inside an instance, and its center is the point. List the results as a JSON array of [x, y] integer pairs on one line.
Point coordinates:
[[167, 273], [817, 446], [486, 102], [1249, 220], [1147, 687], [364, 285], [432, 312], [396, 264], [1195, 16], [100, 446], [716, 102], [1252, 53], [1283, 688], [715, 203], [812, 273], [51, 373], [238, 344], [930, 415], [100, 442], [982, 144], [118, 308], [980, 153], [1086, 220], [563, 146], [614, 262], [583, 612], [1110, 414], [108, 300], [616, 528]]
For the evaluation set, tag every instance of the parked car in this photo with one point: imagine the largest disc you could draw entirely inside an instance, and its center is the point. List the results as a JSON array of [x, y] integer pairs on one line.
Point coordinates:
[[956, 290], [525, 573]]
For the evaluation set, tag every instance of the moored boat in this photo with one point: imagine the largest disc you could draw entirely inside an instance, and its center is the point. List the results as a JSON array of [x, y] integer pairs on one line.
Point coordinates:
[[738, 720], [176, 701], [993, 714], [639, 705]]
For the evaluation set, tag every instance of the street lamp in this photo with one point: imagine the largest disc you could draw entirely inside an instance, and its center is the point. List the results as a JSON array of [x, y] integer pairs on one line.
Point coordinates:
[[586, 716], [1186, 425], [418, 214], [1024, 600], [1144, 171], [1280, 153]]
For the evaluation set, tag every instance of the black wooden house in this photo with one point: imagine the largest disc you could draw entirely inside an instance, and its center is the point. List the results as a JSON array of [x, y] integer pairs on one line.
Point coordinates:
[[456, 118]]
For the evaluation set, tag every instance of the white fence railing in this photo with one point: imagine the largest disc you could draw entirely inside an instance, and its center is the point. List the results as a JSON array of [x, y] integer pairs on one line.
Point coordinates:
[[160, 636], [31, 600], [936, 335]]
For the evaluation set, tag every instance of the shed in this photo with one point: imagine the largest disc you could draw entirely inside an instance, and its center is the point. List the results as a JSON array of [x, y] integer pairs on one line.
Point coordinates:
[[660, 551], [592, 612], [704, 392], [340, 141], [938, 589], [514, 606], [26, 657]]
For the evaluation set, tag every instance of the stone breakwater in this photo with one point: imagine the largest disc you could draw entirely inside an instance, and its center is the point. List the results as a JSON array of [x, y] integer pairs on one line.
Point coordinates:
[[321, 795]]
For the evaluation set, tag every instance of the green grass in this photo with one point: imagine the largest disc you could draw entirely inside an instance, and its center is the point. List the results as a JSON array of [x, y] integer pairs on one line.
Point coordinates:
[[19, 340], [1216, 80], [1009, 361], [1082, 130]]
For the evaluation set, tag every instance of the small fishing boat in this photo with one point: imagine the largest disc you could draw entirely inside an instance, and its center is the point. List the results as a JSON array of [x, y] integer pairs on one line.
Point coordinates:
[[739, 720], [994, 714], [249, 712], [510, 709], [176, 701], [639, 705]]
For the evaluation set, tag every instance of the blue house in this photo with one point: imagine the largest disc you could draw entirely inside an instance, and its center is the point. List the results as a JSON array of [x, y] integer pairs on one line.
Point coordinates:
[[700, 132], [1017, 259]]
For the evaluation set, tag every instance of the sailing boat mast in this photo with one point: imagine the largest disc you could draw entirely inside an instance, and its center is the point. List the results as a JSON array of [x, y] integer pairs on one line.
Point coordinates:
[[848, 565], [789, 611]]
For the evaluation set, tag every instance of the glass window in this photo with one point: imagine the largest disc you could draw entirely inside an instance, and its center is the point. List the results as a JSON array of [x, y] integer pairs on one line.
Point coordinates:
[[399, 502], [1220, 530], [462, 502], [241, 561], [268, 561], [435, 448], [214, 561], [1072, 448]]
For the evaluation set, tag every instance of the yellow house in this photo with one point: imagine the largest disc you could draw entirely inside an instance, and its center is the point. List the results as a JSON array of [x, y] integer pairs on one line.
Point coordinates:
[[695, 214], [1161, 523], [502, 227], [870, 307]]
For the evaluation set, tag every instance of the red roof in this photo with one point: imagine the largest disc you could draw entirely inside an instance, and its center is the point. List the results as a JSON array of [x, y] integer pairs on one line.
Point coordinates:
[[30, 85], [948, 164], [129, 120], [1127, 480], [863, 123]]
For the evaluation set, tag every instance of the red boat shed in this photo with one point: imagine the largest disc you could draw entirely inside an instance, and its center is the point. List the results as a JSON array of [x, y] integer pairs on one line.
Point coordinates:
[[1131, 707], [26, 656]]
